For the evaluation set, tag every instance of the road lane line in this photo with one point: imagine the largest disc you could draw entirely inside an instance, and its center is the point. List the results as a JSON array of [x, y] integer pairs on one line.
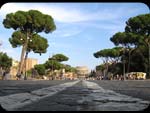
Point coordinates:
[[14, 101], [108, 100]]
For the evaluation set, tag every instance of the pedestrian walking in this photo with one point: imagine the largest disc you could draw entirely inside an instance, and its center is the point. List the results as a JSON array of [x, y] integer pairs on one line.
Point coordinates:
[[3, 76], [6, 75], [19, 76]]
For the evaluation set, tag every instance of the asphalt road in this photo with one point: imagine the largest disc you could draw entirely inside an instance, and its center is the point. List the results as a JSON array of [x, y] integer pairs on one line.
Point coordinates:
[[138, 88], [135, 88], [8, 87], [70, 99]]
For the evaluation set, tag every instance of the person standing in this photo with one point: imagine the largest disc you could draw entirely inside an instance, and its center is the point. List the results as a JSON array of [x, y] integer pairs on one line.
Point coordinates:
[[4, 74]]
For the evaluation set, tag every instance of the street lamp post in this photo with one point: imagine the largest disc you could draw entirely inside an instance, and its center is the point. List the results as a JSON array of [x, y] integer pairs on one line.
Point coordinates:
[[52, 70], [52, 66], [148, 59], [124, 69], [124, 63], [147, 40], [25, 76]]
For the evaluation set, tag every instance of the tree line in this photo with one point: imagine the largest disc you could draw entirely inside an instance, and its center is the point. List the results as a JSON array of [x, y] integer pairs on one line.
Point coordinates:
[[54, 63], [26, 26], [131, 51], [132, 48]]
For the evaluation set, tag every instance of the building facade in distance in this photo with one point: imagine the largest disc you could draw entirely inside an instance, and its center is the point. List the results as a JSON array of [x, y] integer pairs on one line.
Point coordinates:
[[14, 68], [82, 71], [30, 63]]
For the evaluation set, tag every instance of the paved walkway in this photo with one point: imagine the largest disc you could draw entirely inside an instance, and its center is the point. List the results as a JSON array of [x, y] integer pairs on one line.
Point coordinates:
[[73, 96]]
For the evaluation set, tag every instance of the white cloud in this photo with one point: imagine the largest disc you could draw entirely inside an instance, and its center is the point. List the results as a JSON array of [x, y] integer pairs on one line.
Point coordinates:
[[111, 28], [67, 14], [59, 45], [67, 32], [60, 14], [72, 21], [10, 8]]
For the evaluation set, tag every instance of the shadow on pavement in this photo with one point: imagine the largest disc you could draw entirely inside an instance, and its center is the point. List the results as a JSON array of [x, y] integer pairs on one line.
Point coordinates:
[[1, 108], [147, 109]]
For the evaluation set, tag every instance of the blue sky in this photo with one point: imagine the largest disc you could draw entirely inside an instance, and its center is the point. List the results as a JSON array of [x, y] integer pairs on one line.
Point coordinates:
[[82, 28]]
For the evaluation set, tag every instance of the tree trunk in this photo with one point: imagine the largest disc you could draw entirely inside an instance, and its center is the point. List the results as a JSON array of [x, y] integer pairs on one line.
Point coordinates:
[[22, 59], [25, 65], [24, 49], [128, 69]]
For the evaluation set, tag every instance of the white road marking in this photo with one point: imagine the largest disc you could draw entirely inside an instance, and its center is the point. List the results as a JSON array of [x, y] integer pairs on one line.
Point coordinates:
[[14, 101], [100, 99], [108, 100]]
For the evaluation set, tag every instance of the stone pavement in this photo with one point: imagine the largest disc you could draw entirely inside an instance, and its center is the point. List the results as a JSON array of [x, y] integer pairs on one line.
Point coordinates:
[[73, 96]]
